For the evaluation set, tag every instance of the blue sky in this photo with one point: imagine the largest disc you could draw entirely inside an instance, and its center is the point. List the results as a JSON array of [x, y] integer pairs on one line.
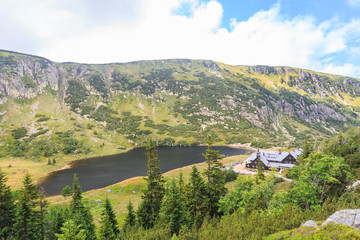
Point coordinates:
[[318, 35]]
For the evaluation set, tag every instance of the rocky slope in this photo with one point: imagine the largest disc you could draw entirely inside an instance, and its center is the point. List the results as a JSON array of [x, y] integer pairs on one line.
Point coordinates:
[[70, 107]]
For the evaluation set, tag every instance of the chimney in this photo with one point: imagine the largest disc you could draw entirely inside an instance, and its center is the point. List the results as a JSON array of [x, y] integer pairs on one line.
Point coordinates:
[[263, 153], [279, 151]]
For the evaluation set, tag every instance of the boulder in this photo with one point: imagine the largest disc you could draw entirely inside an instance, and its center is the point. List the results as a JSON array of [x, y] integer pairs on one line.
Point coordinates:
[[349, 217], [310, 223]]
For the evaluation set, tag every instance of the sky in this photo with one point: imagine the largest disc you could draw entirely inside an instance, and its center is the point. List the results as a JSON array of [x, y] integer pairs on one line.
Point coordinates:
[[318, 35]]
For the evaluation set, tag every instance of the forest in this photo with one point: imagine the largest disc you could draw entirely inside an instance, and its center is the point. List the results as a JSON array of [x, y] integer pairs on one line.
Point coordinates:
[[202, 207]]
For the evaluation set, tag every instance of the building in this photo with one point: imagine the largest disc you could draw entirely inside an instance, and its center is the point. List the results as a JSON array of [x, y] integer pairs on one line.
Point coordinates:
[[273, 159]]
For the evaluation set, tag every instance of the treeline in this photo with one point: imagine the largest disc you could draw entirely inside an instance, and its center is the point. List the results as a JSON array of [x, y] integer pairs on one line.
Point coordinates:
[[202, 208]]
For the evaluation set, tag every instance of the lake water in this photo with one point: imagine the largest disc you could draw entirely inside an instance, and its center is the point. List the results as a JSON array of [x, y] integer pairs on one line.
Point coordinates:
[[100, 172]]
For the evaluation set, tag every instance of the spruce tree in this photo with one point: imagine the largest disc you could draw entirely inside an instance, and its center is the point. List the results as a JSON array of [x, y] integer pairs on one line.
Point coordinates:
[[108, 220], [71, 231], [196, 198], [215, 177], [172, 211], [260, 176], [7, 208], [130, 219], [153, 195], [106, 229], [79, 213], [56, 220], [28, 220]]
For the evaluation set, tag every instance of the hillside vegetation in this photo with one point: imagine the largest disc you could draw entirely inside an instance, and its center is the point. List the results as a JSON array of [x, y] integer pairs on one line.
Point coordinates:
[[52, 108]]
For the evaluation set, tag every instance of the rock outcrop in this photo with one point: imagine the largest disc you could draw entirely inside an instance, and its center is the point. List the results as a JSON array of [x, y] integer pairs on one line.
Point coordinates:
[[349, 217], [310, 223]]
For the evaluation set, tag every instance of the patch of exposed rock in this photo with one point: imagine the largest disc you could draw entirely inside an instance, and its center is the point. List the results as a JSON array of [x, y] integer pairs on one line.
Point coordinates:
[[349, 217], [310, 223]]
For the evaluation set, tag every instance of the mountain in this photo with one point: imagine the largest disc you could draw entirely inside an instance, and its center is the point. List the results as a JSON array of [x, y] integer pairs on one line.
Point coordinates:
[[51, 108]]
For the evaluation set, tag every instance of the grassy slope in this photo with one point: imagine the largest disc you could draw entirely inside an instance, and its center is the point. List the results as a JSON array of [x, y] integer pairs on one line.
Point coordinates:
[[325, 233]]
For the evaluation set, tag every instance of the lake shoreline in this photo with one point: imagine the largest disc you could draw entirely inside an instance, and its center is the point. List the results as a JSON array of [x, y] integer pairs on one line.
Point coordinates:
[[70, 165], [72, 162]]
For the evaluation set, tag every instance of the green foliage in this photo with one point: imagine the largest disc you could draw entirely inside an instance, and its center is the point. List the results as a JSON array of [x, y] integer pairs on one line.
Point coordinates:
[[97, 81], [28, 220], [260, 176], [66, 191], [330, 231], [28, 82], [130, 219], [196, 199], [71, 231], [149, 208], [80, 214], [320, 177], [41, 132], [43, 119], [247, 196], [109, 226], [215, 177], [19, 132], [345, 145], [76, 95], [172, 211], [7, 208]]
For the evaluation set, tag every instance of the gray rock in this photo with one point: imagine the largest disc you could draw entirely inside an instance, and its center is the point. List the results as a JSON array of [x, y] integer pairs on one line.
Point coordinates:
[[310, 223], [98, 200], [109, 190], [349, 217]]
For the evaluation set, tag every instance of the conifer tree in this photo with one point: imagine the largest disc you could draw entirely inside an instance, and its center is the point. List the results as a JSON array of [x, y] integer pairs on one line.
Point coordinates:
[[215, 177], [153, 195], [109, 226], [7, 208], [56, 220], [172, 211], [79, 213], [106, 229], [27, 218], [260, 176], [196, 198], [181, 184], [71, 231], [130, 219]]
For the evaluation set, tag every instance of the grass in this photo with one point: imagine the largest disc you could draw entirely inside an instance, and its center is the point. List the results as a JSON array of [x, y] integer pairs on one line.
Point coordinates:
[[331, 231]]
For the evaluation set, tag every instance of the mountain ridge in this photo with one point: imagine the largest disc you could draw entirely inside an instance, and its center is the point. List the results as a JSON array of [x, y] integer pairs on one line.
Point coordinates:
[[177, 101]]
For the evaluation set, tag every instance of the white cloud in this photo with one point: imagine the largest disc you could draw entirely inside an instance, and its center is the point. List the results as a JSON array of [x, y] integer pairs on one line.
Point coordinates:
[[84, 31], [353, 2]]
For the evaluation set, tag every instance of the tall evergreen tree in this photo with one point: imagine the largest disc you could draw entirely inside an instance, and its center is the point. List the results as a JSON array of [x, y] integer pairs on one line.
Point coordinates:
[[196, 198], [7, 208], [81, 215], [71, 231], [56, 220], [106, 229], [260, 176], [130, 219], [215, 177], [109, 226], [28, 220], [153, 195], [172, 210], [181, 184]]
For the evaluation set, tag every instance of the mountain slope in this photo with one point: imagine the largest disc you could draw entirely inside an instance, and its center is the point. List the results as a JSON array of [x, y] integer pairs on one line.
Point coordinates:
[[72, 107]]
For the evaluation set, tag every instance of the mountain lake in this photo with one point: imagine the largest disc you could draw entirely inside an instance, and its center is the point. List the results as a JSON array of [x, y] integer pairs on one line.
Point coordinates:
[[103, 171]]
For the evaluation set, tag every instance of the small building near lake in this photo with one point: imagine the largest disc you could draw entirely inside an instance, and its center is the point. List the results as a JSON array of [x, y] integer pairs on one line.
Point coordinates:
[[273, 159]]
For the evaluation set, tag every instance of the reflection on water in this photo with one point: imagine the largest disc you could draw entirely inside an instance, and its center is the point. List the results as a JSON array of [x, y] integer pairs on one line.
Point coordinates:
[[103, 171]]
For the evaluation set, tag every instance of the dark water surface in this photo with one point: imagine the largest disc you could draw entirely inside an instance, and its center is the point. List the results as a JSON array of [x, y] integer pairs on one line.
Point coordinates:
[[100, 172]]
